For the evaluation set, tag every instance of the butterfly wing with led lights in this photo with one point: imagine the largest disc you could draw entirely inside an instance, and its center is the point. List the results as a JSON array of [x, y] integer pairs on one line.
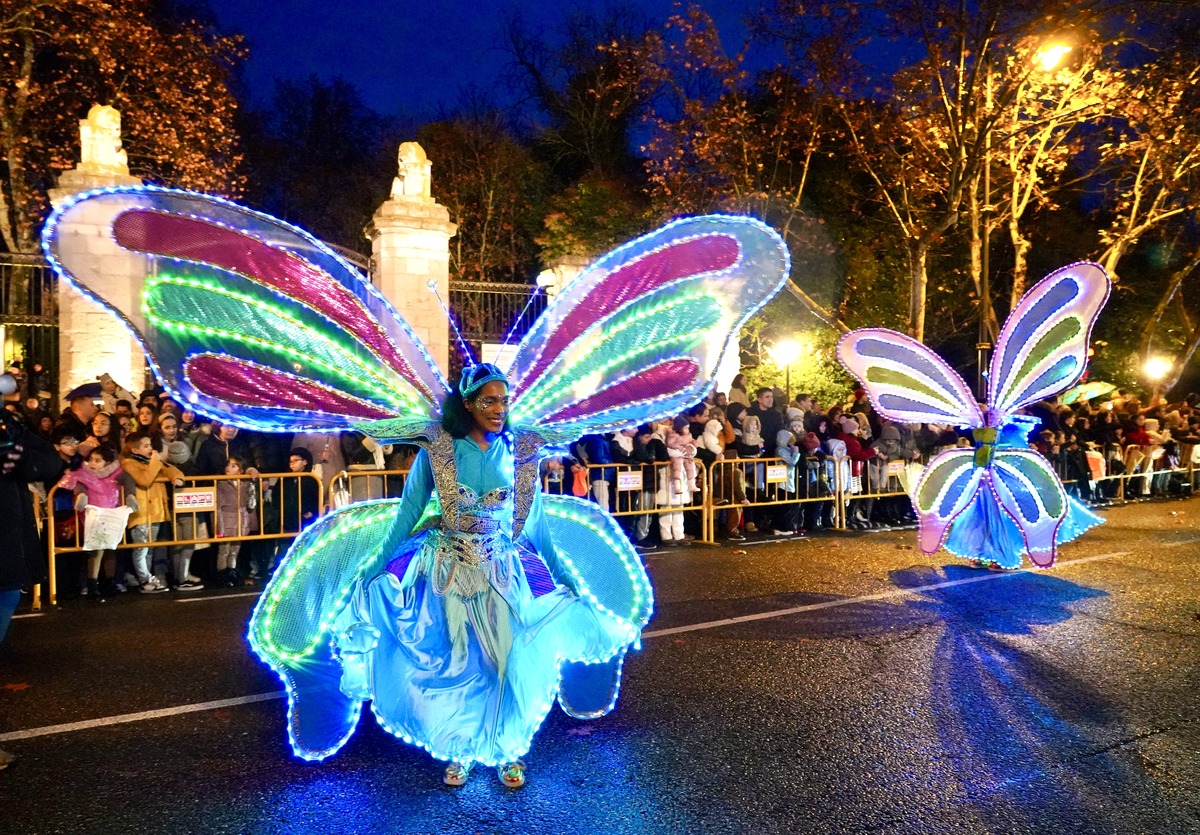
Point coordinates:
[[1040, 352], [243, 316], [640, 334], [908, 383]]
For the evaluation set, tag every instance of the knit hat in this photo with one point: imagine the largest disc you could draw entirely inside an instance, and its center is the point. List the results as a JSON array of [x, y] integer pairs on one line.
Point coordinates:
[[811, 443], [178, 453], [889, 432], [848, 424]]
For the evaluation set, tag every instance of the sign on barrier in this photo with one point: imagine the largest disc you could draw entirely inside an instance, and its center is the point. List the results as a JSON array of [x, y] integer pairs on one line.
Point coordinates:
[[776, 473], [195, 500], [895, 468], [629, 480]]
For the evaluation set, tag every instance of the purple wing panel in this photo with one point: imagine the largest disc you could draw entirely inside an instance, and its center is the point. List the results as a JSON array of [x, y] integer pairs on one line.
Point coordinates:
[[1042, 348], [906, 381]]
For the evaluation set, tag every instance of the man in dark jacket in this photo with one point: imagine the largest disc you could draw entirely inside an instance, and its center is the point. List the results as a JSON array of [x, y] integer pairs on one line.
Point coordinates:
[[24, 457]]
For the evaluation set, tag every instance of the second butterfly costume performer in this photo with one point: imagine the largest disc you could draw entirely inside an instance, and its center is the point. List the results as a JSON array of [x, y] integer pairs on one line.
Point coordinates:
[[999, 501], [464, 610]]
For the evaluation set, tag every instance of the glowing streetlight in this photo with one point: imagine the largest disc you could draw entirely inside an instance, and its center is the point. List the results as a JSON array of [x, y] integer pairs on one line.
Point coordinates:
[[1052, 56], [784, 354], [1156, 369]]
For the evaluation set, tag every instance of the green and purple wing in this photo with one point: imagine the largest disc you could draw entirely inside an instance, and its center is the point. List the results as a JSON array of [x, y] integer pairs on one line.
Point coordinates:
[[1030, 493], [1042, 348], [244, 317], [640, 334], [946, 488], [907, 382]]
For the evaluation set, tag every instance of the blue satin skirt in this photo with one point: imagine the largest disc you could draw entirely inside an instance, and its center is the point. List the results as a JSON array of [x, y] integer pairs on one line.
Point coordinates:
[[468, 678]]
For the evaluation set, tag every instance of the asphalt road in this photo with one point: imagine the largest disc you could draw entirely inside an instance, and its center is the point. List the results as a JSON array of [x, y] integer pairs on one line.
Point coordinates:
[[839, 684]]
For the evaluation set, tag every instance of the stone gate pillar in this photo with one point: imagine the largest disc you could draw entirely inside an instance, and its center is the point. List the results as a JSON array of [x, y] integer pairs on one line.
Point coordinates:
[[410, 247], [90, 341]]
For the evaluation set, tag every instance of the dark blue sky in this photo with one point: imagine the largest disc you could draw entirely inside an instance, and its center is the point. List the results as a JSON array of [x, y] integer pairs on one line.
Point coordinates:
[[407, 56]]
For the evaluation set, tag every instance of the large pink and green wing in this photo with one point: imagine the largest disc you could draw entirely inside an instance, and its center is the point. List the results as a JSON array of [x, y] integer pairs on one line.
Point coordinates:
[[906, 381], [1042, 348], [640, 334], [1032, 495], [243, 316], [946, 488]]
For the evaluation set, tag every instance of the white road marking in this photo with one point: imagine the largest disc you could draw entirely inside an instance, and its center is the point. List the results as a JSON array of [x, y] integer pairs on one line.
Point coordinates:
[[28, 615], [138, 717], [205, 599], [658, 633]]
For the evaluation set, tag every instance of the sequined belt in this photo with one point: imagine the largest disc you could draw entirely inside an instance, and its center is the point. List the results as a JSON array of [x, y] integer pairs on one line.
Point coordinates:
[[473, 549]]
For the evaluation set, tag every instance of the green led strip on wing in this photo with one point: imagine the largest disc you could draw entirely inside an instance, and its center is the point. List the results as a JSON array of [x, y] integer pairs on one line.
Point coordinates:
[[283, 581], [387, 390], [551, 386]]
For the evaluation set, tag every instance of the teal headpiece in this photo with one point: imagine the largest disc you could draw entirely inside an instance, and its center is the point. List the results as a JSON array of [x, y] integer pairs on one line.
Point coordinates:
[[476, 376]]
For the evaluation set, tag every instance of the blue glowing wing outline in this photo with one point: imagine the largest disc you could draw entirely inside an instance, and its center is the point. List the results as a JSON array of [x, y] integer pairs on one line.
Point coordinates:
[[1030, 492], [905, 381], [334, 351], [948, 485], [640, 334], [1042, 348]]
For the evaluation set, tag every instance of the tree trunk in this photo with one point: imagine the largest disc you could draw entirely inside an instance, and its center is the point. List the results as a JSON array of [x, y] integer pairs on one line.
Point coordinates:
[[1021, 248], [918, 253], [1171, 292], [918, 256]]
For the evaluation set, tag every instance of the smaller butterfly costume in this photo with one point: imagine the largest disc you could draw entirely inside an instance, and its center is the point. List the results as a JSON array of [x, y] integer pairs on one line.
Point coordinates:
[[463, 610], [999, 500]]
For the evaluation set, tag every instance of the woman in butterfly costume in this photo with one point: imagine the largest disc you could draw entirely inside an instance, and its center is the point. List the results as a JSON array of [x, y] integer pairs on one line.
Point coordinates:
[[464, 609], [1000, 500]]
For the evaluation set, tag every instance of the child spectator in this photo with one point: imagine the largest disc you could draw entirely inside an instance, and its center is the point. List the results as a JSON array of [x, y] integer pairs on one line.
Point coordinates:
[[787, 515], [145, 467], [100, 482], [235, 499], [673, 488], [682, 441]]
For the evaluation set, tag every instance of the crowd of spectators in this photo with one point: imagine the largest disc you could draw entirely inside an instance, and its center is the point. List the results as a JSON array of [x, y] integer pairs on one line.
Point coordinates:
[[774, 464], [771, 466], [116, 449]]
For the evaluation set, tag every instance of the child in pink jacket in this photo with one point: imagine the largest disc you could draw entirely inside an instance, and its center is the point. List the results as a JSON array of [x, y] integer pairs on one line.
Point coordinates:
[[100, 482]]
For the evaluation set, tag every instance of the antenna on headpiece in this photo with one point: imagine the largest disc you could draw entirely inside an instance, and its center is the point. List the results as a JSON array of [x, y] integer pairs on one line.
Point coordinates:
[[463, 348], [520, 317]]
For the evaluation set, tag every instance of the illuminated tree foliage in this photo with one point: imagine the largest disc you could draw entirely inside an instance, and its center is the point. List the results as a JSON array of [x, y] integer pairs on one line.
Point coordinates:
[[494, 189], [167, 72]]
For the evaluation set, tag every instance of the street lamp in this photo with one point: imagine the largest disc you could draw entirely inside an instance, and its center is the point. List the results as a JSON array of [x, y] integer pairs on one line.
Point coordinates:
[[1048, 58], [1156, 369], [784, 354]]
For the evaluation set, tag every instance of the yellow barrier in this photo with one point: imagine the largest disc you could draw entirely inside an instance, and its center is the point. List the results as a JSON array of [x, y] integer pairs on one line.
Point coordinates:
[[198, 489], [729, 485]]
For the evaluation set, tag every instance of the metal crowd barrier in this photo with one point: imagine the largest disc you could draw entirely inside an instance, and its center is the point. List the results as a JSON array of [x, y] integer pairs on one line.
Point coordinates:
[[631, 492], [194, 503], [1144, 469]]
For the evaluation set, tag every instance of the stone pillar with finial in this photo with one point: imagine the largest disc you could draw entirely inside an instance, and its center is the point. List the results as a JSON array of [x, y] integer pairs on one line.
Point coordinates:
[[90, 341], [410, 248]]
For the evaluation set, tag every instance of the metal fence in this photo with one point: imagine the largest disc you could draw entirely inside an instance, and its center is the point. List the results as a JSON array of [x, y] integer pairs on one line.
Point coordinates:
[[715, 501], [29, 312]]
